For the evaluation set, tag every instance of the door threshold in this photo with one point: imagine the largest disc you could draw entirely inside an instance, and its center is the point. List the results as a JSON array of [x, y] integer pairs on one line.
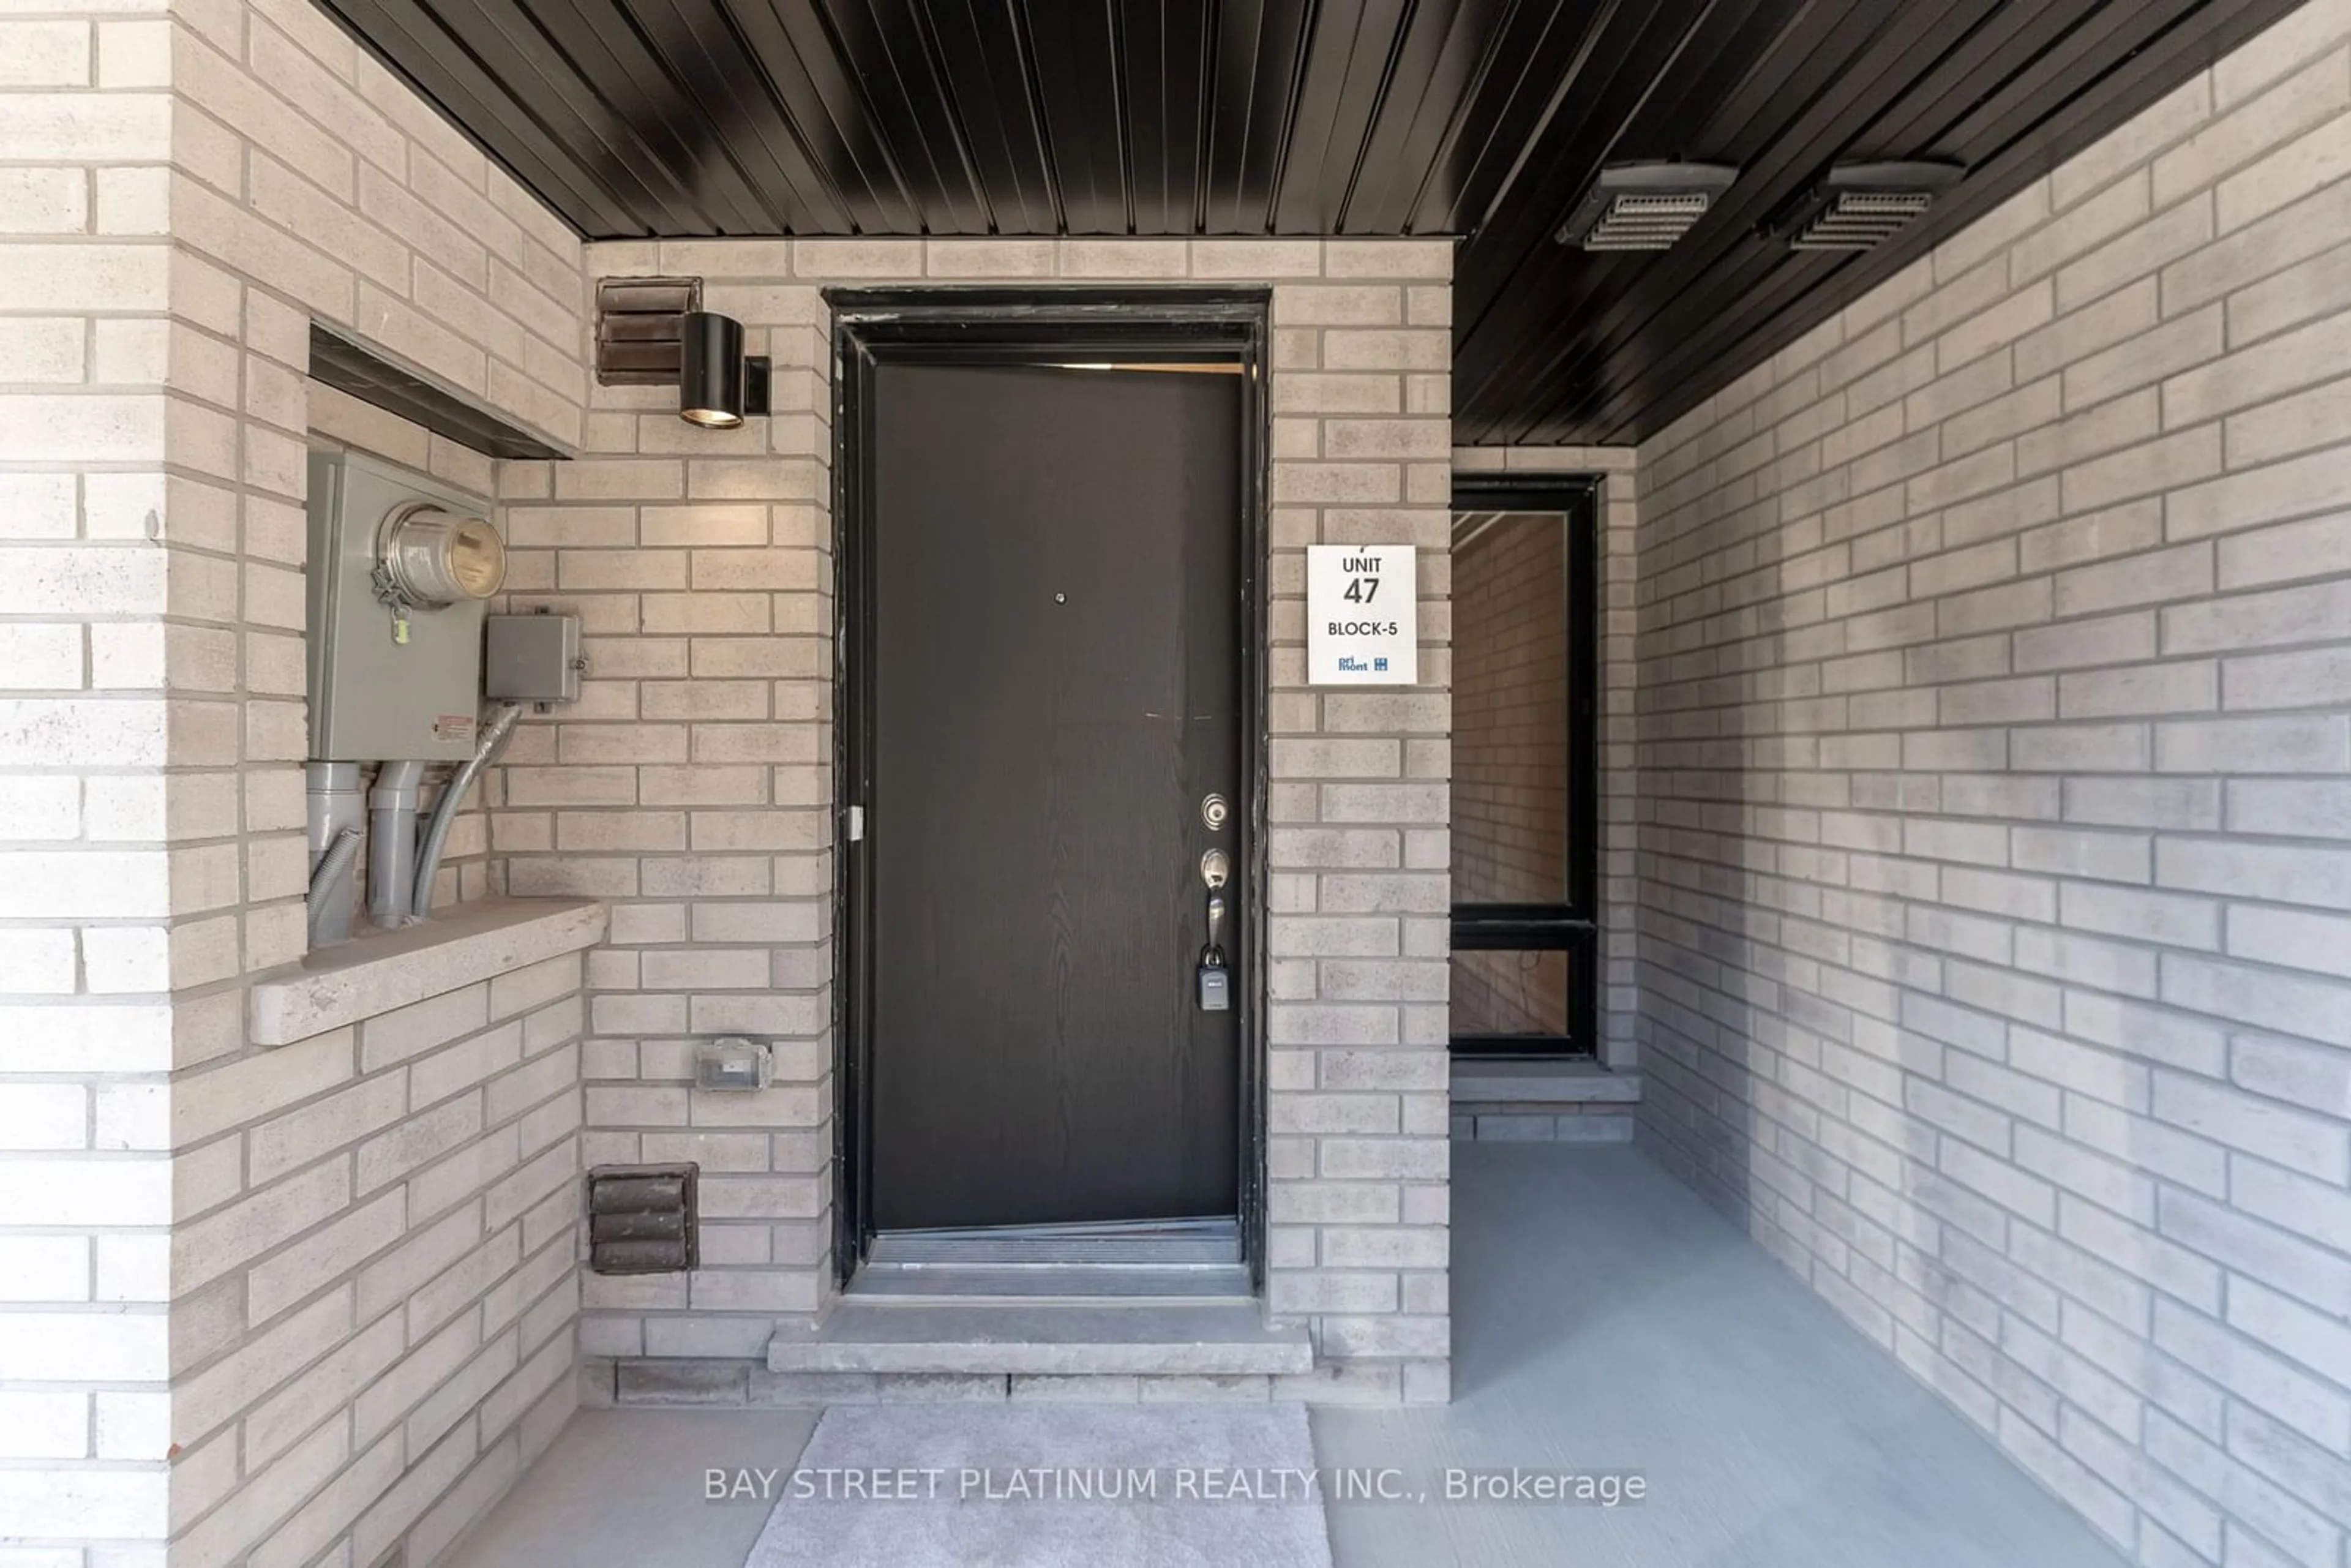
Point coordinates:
[[1203, 1225], [1163, 1243], [1046, 1283], [1137, 1260]]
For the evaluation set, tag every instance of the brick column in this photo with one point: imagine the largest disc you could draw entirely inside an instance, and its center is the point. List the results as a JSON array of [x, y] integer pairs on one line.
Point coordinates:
[[1361, 810], [89, 877]]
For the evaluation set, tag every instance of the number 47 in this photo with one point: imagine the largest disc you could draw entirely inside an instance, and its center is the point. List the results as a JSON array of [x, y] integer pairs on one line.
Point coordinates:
[[1362, 590]]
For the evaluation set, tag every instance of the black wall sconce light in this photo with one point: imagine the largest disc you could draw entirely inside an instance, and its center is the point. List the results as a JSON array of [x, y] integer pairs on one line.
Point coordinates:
[[717, 387]]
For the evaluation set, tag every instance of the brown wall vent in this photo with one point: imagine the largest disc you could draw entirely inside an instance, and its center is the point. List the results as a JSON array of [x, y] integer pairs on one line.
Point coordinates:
[[638, 340], [644, 1219]]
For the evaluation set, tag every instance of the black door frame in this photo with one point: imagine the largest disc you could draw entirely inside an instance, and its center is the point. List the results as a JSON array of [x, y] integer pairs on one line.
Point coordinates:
[[983, 325], [1572, 926]]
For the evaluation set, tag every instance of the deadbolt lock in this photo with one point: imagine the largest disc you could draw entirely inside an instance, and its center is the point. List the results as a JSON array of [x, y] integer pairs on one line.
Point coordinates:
[[1214, 810]]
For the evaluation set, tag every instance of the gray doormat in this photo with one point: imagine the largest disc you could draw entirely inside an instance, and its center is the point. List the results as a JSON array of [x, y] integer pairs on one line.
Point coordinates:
[[1044, 1485]]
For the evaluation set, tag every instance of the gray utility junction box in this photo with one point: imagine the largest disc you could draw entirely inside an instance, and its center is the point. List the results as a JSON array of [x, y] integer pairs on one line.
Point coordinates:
[[531, 659], [394, 676]]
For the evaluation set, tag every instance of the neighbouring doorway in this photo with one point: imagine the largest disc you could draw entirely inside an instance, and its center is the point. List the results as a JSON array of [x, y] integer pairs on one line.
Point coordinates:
[[1050, 651], [1525, 978]]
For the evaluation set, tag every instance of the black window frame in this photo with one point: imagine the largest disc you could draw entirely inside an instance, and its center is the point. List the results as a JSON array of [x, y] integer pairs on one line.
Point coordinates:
[[1572, 926]]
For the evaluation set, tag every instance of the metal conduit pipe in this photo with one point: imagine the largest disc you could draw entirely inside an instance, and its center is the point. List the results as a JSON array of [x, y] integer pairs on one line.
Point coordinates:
[[392, 841], [494, 736], [334, 874], [337, 813]]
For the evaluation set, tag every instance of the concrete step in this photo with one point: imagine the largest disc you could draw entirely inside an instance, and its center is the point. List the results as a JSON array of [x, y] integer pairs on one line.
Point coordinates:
[[1143, 1339]]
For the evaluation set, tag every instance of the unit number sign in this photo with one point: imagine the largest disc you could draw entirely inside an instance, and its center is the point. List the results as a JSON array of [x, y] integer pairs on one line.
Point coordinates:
[[1362, 626]]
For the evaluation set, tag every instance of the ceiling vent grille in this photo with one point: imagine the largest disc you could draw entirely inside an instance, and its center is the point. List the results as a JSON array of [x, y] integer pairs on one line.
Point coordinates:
[[1859, 206], [1644, 206]]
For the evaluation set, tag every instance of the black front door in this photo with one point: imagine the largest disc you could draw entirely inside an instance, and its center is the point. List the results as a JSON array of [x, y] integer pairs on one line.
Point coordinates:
[[1054, 572]]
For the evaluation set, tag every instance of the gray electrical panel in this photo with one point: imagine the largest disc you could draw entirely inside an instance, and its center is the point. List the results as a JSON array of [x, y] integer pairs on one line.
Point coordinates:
[[400, 568]]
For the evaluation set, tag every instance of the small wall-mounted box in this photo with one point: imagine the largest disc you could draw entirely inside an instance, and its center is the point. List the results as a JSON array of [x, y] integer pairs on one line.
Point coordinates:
[[531, 658], [734, 1063]]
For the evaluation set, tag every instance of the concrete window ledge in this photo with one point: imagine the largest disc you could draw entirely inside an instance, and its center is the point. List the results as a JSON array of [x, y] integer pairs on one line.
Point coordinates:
[[373, 975], [1496, 1100], [1500, 1080]]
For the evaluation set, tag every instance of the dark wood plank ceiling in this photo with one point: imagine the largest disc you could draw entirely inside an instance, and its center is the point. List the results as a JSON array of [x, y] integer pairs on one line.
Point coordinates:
[[1478, 118]]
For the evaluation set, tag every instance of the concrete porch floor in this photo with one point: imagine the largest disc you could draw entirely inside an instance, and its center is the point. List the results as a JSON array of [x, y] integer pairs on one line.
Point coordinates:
[[1606, 1320]]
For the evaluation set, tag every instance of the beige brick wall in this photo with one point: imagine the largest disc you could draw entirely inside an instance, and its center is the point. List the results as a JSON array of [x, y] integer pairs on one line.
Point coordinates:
[[182, 189], [693, 786], [381, 1335], [1995, 715]]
